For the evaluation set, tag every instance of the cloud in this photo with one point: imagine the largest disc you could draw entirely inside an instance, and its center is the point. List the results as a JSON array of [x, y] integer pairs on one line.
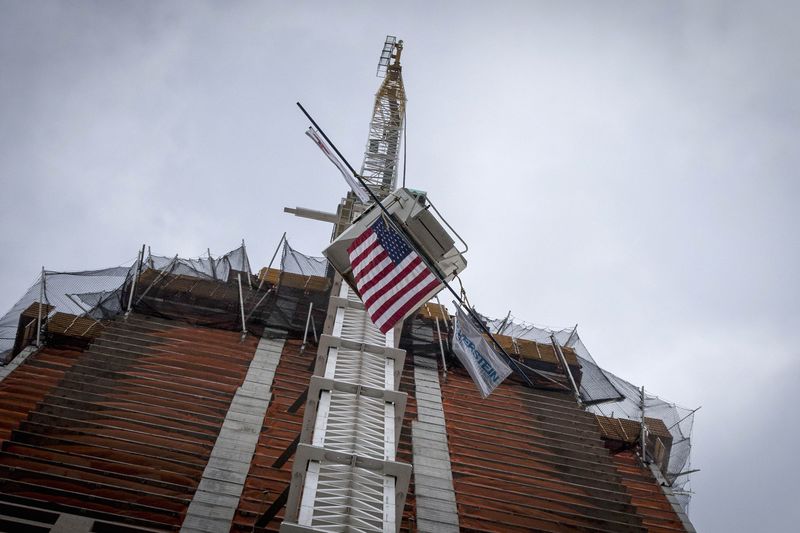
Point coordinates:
[[627, 167]]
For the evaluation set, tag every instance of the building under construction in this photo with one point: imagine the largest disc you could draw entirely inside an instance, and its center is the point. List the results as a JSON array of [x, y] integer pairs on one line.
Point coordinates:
[[200, 395]]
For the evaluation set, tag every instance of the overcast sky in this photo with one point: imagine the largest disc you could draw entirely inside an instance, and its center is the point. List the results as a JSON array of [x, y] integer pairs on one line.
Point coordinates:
[[627, 166]]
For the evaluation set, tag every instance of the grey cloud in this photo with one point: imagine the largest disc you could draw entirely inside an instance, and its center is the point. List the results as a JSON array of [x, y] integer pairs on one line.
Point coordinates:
[[630, 167]]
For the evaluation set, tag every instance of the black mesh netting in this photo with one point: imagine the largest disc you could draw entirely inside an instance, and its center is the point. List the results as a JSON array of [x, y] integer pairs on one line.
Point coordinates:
[[218, 292]]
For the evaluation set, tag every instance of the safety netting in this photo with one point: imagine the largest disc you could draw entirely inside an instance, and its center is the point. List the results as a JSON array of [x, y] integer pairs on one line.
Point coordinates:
[[224, 292], [90, 292], [209, 291], [294, 262], [209, 267], [608, 395]]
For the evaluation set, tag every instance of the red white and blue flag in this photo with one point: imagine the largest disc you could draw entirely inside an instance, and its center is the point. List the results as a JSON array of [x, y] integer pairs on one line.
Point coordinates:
[[390, 277]]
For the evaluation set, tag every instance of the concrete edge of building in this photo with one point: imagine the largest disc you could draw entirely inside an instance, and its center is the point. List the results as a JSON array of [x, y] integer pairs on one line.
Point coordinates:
[[433, 478], [673, 501], [7, 369], [214, 503]]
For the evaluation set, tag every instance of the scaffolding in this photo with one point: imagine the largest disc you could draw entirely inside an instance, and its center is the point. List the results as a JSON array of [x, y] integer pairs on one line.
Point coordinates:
[[210, 291]]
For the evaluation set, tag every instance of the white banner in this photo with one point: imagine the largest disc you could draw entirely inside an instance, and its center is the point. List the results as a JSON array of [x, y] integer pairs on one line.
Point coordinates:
[[360, 191], [484, 365]]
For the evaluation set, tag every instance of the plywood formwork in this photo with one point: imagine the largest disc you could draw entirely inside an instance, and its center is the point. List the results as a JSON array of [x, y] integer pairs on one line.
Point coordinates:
[[658, 515], [274, 276], [120, 432], [527, 459]]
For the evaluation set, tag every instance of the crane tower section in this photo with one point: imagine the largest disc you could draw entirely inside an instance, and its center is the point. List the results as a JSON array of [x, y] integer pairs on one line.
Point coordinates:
[[381, 157]]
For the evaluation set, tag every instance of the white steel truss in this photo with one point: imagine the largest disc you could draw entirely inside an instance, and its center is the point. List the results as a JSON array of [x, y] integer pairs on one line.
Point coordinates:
[[345, 477]]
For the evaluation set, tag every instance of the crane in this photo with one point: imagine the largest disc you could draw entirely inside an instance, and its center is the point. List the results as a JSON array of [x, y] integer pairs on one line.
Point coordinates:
[[346, 476], [382, 154]]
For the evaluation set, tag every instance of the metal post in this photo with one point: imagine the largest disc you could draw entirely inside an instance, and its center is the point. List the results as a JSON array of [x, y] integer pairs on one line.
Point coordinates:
[[136, 273], [504, 323], [258, 303], [39, 317], [241, 305], [693, 411], [446, 324], [78, 304], [643, 435], [168, 270], [305, 333], [283, 238], [563, 359], [572, 337], [314, 331], [213, 266], [441, 347], [673, 477], [244, 256]]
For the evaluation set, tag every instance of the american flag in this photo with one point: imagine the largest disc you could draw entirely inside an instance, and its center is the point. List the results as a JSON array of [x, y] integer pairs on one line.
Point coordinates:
[[391, 278]]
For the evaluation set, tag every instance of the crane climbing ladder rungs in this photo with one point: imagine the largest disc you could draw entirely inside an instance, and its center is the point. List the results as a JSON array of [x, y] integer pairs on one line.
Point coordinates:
[[345, 474]]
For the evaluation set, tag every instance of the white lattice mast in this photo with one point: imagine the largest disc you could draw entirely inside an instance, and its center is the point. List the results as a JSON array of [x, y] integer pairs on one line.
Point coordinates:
[[382, 154]]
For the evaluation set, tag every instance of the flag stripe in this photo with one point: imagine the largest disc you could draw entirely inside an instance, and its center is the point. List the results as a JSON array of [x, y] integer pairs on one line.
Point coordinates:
[[391, 299], [380, 285], [363, 249], [358, 242], [372, 257], [412, 301], [390, 277], [377, 275]]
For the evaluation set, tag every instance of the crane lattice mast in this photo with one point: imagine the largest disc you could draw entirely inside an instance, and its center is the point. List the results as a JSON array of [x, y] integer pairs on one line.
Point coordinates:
[[382, 154]]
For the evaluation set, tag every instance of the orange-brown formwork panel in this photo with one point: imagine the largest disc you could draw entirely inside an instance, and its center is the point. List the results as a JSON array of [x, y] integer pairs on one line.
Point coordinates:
[[433, 311], [297, 281], [32, 311], [625, 430], [30, 383], [123, 430], [27, 326], [73, 326], [528, 459], [647, 496], [536, 351]]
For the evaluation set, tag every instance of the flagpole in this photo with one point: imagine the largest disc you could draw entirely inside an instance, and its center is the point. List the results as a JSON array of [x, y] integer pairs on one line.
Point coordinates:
[[422, 256]]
